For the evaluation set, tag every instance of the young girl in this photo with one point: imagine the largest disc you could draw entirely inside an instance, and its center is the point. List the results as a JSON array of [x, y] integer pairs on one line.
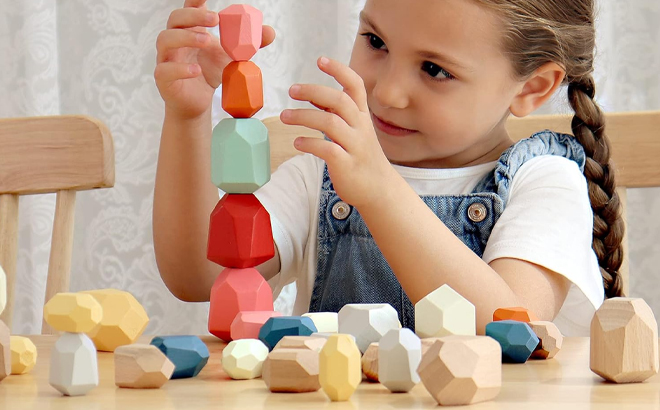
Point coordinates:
[[417, 183]]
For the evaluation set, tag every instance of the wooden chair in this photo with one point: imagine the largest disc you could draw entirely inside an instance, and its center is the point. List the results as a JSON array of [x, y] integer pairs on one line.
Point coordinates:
[[635, 139], [60, 154]]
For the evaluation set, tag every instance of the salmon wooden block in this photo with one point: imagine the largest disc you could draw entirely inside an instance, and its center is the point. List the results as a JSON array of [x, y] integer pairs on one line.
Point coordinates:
[[519, 314], [240, 31], [242, 89], [247, 324], [340, 370], [292, 371]]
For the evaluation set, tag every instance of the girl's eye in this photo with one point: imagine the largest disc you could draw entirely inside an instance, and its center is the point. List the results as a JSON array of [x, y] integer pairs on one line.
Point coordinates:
[[373, 41], [436, 71]]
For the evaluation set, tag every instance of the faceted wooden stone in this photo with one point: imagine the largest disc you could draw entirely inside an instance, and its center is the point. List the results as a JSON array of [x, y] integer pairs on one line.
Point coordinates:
[[247, 324], [517, 339], [550, 338], [292, 371], [141, 366], [23, 355], [519, 314], [325, 322], [73, 312], [624, 341], [367, 322], [276, 328], [243, 359], [73, 365], [460, 370], [234, 291], [240, 155], [241, 31], [427, 343], [340, 370], [124, 319], [370, 362], [301, 342], [188, 353], [240, 233], [5, 351], [242, 89], [3, 290], [445, 312], [399, 355]]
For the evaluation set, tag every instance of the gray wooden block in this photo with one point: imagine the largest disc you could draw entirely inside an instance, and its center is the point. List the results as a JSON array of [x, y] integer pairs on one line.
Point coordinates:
[[73, 365]]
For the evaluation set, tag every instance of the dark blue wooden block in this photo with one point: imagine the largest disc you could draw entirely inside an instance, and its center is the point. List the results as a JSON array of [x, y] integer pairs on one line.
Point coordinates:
[[517, 339], [188, 353], [276, 328]]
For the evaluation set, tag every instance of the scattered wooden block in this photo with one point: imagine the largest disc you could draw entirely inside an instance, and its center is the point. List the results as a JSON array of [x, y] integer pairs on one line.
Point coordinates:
[[445, 312], [3, 290], [550, 338], [326, 335], [399, 355], [188, 353], [73, 365], [23, 355], [292, 371], [460, 370], [124, 319], [325, 322], [517, 339], [339, 367], [370, 363], [276, 328], [240, 31], [73, 312], [367, 322], [519, 314], [140, 366], [624, 341], [5, 351], [243, 359], [301, 342], [234, 291], [242, 89], [427, 343], [246, 325]]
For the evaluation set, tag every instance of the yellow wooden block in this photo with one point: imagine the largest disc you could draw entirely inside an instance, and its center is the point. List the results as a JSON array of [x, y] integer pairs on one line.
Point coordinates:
[[23, 354], [340, 370], [123, 322], [73, 312]]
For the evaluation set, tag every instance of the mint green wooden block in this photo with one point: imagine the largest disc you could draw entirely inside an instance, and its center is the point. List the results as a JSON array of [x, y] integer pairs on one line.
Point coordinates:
[[240, 155]]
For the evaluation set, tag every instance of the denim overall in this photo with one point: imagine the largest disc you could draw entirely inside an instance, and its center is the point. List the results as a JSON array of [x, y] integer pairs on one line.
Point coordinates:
[[351, 268]]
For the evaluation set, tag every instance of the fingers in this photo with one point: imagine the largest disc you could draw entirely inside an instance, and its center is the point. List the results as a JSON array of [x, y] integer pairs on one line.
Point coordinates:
[[192, 17], [326, 150], [172, 39], [170, 71], [194, 3], [349, 79], [327, 99], [267, 36], [329, 124]]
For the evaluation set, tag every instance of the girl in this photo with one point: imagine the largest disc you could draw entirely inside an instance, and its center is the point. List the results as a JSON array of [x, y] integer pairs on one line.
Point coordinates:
[[417, 183]]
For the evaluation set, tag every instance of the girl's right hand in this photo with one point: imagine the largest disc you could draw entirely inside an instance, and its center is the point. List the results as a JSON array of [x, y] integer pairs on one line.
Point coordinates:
[[190, 61]]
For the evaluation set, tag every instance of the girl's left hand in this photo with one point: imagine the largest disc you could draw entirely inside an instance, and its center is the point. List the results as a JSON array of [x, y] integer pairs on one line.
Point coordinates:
[[356, 163]]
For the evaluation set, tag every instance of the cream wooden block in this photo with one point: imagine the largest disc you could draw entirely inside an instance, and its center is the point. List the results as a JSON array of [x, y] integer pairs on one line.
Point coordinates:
[[340, 370], [550, 338], [301, 342], [23, 355], [370, 363], [399, 355], [624, 341], [3, 290], [73, 312], [292, 371], [74, 366], [459, 370], [5, 351], [325, 322], [368, 322], [244, 359], [141, 366], [445, 312]]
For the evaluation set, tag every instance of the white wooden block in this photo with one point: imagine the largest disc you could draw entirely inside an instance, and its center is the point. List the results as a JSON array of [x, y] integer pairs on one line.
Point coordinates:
[[3, 290], [5, 351], [325, 322], [244, 359], [73, 364], [368, 322], [445, 312], [399, 355]]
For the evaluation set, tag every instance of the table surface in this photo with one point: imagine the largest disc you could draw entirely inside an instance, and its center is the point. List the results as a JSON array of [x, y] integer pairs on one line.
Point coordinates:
[[564, 382]]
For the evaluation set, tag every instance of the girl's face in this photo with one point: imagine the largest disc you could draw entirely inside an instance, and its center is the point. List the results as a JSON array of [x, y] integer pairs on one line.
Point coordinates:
[[436, 69]]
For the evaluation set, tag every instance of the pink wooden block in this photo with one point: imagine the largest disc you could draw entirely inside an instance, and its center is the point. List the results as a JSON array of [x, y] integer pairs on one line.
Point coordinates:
[[247, 325], [240, 31]]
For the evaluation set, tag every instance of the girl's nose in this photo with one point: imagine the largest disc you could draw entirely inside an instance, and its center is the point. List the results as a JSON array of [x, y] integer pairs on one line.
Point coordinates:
[[390, 90]]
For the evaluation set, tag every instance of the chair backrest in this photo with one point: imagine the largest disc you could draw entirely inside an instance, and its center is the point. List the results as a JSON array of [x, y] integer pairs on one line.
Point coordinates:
[[635, 139], [59, 154]]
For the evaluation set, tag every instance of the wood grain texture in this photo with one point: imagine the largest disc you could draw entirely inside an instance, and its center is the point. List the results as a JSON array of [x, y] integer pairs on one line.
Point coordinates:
[[9, 249]]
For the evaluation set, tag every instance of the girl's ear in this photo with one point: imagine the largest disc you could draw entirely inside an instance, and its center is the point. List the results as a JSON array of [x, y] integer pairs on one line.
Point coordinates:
[[537, 89]]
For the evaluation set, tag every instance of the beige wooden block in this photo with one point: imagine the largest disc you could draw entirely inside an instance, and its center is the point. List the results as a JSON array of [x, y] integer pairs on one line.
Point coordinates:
[[292, 371], [460, 370], [368, 322], [73, 365], [550, 338], [325, 322], [73, 312], [3, 290], [340, 370], [399, 355], [23, 355], [624, 341], [301, 342], [141, 366], [5, 351], [370, 362], [445, 312], [243, 359], [427, 343]]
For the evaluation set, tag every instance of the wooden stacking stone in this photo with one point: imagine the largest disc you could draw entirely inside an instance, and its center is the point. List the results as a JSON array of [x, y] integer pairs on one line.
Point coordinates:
[[292, 371], [276, 328], [444, 312], [73, 364], [5, 351], [325, 322], [339, 367], [399, 355], [241, 31], [73, 312], [242, 89], [517, 339], [301, 342], [23, 355], [247, 324], [519, 314], [550, 338], [188, 353], [141, 366], [3, 290], [243, 359], [367, 322], [370, 362]]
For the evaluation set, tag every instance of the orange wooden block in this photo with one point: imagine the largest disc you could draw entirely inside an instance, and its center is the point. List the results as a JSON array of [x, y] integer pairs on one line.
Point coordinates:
[[234, 291], [246, 325], [242, 89], [240, 31], [519, 314]]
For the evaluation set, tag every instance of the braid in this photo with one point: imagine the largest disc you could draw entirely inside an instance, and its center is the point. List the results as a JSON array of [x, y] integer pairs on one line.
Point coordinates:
[[589, 129]]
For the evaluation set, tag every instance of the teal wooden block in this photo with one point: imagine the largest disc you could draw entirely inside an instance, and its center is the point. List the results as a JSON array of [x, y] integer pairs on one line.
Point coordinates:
[[188, 353], [517, 339], [276, 328], [240, 155]]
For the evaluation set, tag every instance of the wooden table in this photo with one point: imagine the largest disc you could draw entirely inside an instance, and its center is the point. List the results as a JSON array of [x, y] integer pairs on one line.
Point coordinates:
[[561, 383]]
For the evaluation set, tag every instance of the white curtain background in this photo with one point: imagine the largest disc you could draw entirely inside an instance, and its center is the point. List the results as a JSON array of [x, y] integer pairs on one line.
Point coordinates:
[[96, 57]]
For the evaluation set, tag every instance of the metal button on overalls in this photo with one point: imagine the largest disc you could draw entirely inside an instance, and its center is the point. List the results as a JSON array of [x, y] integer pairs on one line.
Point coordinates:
[[477, 212], [341, 210]]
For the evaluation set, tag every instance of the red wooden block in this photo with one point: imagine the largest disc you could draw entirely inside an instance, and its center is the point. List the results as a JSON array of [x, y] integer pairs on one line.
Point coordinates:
[[519, 314], [242, 89], [234, 291], [240, 234], [247, 325], [240, 31]]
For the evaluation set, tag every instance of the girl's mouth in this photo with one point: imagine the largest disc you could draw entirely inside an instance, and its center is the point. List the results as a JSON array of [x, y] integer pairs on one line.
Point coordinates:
[[390, 128]]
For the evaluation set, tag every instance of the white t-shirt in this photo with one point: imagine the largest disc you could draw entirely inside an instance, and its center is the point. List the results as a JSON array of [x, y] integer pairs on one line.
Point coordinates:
[[547, 221]]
